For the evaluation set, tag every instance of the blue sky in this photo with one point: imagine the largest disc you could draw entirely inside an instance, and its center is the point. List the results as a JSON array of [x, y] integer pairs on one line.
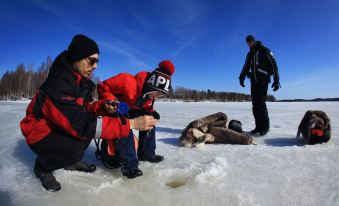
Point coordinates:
[[204, 38]]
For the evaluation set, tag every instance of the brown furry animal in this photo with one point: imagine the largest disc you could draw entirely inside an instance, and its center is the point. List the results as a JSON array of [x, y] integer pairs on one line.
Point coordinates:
[[212, 129], [315, 120]]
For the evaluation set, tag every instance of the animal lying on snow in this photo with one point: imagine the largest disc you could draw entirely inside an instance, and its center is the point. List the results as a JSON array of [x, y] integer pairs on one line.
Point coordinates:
[[212, 129], [315, 127]]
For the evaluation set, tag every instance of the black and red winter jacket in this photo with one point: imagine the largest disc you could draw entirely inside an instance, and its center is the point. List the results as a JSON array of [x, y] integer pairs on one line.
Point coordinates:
[[126, 88], [64, 104]]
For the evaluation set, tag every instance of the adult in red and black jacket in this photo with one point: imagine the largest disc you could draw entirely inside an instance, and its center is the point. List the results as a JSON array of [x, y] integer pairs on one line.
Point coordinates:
[[61, 119], [140, 92], [259, 66]]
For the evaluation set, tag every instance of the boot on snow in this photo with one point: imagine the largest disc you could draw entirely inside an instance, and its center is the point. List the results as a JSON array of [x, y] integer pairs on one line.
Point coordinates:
[[130, 169], [264, 132], [47, 179], [255, 131], [81, 166], [152, 159], [131, 173]]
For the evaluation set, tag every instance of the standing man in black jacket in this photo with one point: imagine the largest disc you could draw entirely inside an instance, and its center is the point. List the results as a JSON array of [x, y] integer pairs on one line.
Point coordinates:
[[259, 66]]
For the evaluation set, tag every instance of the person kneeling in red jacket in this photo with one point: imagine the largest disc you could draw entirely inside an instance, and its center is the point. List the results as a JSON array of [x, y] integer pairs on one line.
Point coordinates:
[[61, 119], [139, 92]]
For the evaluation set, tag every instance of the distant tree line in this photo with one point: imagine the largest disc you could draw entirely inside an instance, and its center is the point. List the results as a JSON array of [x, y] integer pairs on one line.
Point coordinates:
[[25, 81], [182, 93]]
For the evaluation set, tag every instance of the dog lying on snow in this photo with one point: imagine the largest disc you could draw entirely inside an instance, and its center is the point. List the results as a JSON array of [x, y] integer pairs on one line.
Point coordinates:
[[315, 127], [212, 129]]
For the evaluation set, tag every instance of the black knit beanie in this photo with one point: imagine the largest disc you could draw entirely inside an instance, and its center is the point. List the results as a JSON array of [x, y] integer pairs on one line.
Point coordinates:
[[250, 38], [81, 47]]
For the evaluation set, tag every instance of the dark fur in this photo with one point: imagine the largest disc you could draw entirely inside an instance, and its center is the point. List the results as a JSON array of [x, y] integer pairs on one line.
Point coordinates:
[[212, 129], [313, 119]]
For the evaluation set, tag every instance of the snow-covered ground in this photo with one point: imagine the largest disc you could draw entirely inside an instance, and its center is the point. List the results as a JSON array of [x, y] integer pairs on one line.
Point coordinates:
[[277, 171]]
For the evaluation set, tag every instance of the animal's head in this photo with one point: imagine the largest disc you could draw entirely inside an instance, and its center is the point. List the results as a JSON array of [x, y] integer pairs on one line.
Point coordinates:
[[316, 123], [187, 139]]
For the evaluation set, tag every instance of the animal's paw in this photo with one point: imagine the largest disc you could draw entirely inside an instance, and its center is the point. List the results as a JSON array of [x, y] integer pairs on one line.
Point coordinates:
[[200, 141], [252, 142], [200, 145]]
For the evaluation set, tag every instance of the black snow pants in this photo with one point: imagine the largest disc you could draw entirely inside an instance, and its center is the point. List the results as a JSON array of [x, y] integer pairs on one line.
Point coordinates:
[[147, 144], [127, 152], [260, 113], [57, 151]]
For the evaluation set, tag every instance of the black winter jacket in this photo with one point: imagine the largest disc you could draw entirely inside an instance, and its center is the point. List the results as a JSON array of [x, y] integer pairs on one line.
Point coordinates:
[[260, 64], [64, 104]]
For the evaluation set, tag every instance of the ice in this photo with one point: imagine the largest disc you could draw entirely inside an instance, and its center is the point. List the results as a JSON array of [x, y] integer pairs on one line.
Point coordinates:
[[280, 170], [215, 170]]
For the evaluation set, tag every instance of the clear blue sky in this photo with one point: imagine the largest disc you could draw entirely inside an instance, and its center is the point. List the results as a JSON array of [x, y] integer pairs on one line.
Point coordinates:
[[204, 38]]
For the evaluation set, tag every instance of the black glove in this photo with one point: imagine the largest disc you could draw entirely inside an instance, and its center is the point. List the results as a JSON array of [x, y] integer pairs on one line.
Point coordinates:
[[276, 85], [156, 115], [242, 82]]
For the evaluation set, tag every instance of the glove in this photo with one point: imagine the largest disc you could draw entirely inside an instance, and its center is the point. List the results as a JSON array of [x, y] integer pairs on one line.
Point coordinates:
[[276, 85], [113, 103], [111, 106], [156, 115], [241, 81]]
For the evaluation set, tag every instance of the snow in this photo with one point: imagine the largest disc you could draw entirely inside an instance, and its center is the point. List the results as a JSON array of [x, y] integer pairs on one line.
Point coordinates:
[[280, 170]]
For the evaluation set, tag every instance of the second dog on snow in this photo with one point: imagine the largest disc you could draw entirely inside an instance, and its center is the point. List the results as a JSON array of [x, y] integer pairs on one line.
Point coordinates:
[[212, 129]]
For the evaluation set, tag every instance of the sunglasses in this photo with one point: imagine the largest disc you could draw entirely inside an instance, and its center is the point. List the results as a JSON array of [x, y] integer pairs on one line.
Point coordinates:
[[92, 60]]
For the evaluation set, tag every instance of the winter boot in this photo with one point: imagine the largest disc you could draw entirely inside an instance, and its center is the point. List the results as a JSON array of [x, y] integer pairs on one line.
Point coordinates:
[[130, 170], [255, 131], [131, 173], [264, 132], [154, 159], [47, 179], [81, 166]]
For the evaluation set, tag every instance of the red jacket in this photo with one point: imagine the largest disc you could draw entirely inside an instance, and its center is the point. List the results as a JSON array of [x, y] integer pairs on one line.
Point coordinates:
[[126, 88], [64, 104]]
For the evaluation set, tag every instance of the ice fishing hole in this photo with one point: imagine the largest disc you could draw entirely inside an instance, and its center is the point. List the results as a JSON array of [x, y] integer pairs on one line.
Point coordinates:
[[175, 184]]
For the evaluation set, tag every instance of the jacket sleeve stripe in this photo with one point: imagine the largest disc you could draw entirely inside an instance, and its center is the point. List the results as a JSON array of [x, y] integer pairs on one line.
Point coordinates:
[[274, 66], [50, 112]]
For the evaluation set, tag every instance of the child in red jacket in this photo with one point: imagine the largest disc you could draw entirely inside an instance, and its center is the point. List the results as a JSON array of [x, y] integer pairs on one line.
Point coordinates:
[[139, 92]]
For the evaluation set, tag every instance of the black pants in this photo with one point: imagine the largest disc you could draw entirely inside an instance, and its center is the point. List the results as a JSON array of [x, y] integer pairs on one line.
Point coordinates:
[[57, 151], [147, 143], [128, 154], [260, 113]]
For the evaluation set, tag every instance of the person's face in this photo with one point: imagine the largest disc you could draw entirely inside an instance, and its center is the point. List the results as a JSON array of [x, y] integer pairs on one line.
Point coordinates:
[[154, 95], [86, 66], [250, 44]]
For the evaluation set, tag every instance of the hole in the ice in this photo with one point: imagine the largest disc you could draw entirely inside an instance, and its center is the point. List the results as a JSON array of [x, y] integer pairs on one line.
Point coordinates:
[[175, 184]]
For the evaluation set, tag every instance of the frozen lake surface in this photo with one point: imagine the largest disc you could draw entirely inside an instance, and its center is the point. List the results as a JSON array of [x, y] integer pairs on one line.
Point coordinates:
[[280, 170]]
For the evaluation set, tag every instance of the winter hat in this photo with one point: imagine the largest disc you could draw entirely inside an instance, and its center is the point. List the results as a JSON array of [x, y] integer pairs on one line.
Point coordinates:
[[235, 125], [81, 47], [160, 78], [250, 38]]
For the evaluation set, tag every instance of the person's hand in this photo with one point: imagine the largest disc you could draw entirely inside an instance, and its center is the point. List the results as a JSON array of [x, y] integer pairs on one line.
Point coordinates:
[[242, 82], [111, 106], [143, 123], [276, 85], [156, 115]]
